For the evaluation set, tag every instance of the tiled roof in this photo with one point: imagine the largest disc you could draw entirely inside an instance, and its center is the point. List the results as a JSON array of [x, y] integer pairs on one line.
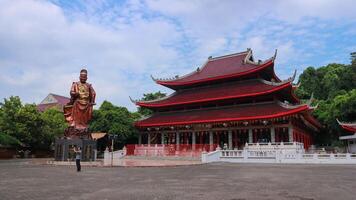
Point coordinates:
[[348, 126], [61, 99], [60, 102], [217, 92], [234, 113], [43, 107], [219, 68]]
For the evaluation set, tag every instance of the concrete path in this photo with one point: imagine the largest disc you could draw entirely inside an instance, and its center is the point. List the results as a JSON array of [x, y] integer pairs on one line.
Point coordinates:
[[23, 180]]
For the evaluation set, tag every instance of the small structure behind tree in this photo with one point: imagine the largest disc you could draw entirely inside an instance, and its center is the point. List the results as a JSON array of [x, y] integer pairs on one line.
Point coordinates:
[[350, 139]]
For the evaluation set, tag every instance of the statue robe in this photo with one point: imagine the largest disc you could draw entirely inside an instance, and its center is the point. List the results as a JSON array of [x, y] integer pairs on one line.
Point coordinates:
[[79, 111]]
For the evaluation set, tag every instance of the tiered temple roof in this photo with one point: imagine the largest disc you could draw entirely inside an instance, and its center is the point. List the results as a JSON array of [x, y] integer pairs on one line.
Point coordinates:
[[238, 87], [224, 67], [266, 110], [230, 90]]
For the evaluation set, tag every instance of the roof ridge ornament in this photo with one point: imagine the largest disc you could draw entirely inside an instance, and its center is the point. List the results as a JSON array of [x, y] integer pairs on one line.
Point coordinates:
[[153, 78], [345, 123], [315, 107], [290, 79], [297, 85], [288, 105], [275, 55], [132, 100], [249, 54], [310, 100]]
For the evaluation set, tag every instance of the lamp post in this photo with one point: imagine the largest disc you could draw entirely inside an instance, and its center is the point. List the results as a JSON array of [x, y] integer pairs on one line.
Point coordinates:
[[112, 137]]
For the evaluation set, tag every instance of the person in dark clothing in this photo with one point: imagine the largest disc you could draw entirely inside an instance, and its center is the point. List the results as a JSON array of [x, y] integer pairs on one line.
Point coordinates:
[[78, 155]]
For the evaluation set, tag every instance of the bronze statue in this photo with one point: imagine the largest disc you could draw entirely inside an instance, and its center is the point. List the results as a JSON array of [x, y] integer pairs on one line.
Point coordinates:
[[78, 111]]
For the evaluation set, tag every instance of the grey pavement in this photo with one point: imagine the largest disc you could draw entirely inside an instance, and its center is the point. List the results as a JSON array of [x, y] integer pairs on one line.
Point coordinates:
[[20, 179]]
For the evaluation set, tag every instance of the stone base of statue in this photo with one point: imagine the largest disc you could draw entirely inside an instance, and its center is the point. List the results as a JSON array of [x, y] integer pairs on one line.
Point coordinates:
[[73, 133], [64, 147]]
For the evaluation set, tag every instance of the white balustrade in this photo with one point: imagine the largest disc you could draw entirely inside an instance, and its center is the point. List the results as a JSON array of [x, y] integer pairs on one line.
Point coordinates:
[[276, 153]]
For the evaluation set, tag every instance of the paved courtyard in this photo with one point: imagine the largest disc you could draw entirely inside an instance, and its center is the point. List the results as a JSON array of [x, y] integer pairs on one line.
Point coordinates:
[[19, 179]]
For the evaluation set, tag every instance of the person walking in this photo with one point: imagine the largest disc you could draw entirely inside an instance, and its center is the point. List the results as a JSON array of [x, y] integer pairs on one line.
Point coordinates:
[[78, 155]]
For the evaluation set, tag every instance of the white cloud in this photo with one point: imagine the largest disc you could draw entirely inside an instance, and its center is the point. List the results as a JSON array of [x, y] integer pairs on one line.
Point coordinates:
[[43, 45]]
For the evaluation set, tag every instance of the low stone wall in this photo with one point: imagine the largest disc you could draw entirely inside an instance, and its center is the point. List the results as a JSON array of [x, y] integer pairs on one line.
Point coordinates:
[[7, 153]]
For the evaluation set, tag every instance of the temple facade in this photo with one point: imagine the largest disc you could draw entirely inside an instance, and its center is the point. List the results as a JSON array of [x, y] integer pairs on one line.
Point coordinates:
[[349, 139], [228, 102]]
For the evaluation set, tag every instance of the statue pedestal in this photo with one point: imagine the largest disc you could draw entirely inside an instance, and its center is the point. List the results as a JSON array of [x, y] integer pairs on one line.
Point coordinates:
[[64, 149]]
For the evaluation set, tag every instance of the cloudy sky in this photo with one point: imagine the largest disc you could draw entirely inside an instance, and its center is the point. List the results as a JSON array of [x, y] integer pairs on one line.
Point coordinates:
[[44, 44]]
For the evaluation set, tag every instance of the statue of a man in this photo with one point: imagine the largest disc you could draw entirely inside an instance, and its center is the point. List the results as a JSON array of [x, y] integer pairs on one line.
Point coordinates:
[[78, 111]]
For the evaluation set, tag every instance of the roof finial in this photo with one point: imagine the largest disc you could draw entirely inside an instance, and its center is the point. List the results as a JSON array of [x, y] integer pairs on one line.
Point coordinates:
[[275, 54], [133, 101], [154, 79], [297, 85], [338, 121], [315, 107], [294, 75], [311, 99]]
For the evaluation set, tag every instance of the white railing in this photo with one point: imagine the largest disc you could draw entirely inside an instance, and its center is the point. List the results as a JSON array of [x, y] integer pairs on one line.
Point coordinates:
[[211, 156], [114, 158], [276, 153]]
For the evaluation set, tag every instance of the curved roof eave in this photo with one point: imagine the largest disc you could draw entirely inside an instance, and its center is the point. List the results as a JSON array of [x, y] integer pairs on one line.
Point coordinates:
[[172, 83], [149, 105], [292, 111]]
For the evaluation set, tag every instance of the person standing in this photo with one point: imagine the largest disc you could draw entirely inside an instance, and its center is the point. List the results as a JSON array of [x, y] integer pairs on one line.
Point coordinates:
[[78, 155]]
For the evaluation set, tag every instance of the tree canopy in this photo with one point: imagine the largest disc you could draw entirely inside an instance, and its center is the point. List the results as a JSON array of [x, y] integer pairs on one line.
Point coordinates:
[[334, 88], [28, 126], [150, 97], [115, 120]]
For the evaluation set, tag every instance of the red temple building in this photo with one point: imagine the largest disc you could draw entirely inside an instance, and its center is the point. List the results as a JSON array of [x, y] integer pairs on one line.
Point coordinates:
[[350, 139], [228, 102]]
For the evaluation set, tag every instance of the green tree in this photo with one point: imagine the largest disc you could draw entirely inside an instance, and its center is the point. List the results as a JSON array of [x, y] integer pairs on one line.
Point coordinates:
[[149, 97], [333, 86], [27, 125], [53, 126], [8, 110], [7, 140], [30, 126], [115, 120]]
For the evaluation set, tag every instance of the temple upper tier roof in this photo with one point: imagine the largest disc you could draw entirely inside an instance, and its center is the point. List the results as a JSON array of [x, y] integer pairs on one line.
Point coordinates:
[[229, 66], [230, 90], [244, 112], [351, 127]]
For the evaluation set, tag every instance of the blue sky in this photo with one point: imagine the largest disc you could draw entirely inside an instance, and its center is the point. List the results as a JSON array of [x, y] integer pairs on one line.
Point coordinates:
[[44, 44]]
